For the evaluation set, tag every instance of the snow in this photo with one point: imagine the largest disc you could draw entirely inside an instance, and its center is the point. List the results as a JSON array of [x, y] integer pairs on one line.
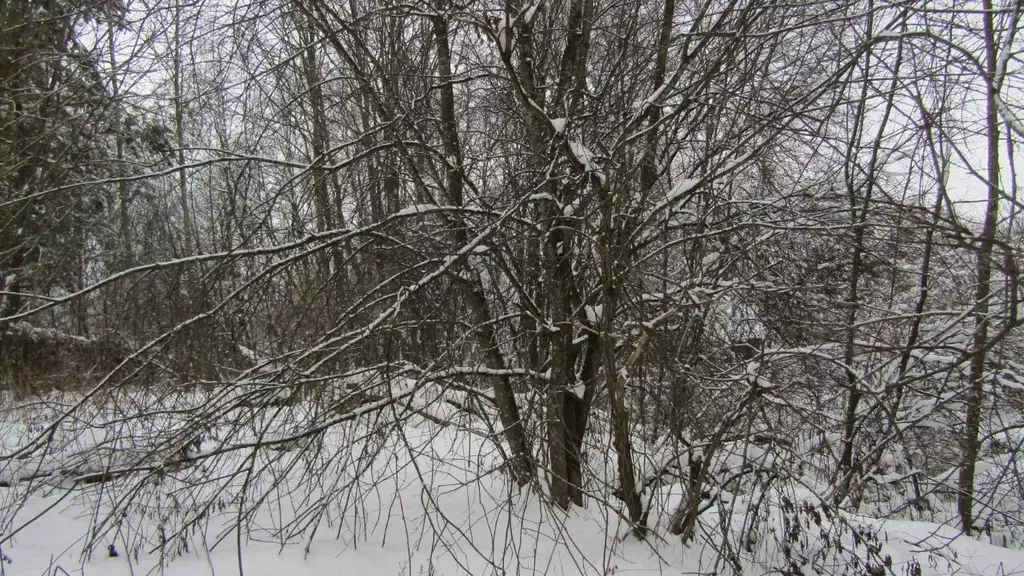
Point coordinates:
[[570, 208], [394, 543], [417, 209], [681, 188], [249, 354], [529, 13], [419, 491], [586, 159], [710, 259], [579, 389], [1008, 115], [653, 97], [37, 334], [503, 31], [583, 154]]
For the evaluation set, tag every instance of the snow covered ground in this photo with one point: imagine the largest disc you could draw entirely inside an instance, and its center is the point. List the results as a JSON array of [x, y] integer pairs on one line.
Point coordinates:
[[408, 496]]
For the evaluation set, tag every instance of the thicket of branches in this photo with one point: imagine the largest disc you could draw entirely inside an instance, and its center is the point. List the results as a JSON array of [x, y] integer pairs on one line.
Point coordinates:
[[668, 228]]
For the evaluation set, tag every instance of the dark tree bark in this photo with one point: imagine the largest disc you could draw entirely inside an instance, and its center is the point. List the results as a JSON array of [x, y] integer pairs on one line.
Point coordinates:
[[975, 394]]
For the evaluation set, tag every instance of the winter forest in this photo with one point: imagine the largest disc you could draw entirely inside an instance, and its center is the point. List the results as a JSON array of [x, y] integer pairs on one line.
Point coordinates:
[[511, 287]]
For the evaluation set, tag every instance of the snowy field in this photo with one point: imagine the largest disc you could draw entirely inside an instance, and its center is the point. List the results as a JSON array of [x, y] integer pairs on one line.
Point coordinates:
[[393, 492]]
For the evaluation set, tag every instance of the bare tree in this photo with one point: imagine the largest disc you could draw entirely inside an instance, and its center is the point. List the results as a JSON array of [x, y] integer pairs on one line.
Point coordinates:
[[626, 243]]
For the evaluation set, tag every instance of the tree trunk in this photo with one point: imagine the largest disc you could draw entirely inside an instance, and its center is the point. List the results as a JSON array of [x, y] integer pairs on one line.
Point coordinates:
[[557, 254], [179, 133], [319, 141], [975, 392], [522, 467]]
